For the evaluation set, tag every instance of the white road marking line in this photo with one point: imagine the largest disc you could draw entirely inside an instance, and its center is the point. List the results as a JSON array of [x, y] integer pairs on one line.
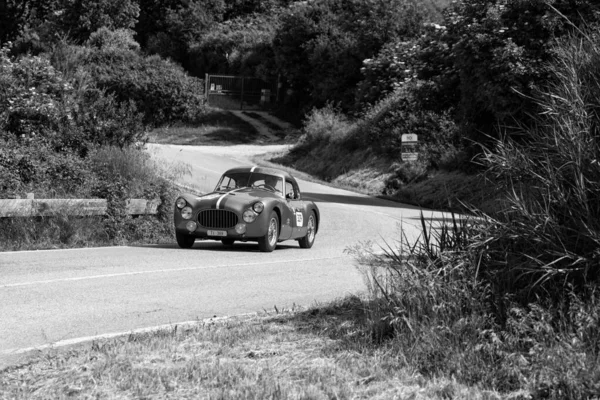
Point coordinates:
[[69, 342], [83, 278]]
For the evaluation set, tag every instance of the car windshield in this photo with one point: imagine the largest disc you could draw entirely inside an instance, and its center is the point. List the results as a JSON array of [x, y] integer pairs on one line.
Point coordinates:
[[238, 180]]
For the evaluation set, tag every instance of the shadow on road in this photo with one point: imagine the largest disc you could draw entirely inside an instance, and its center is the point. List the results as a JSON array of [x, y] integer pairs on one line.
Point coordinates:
[[447, 218], [355, 200], [218, 246]]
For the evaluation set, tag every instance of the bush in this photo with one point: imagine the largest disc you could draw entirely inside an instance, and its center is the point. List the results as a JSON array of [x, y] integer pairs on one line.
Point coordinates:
[[160, 89], [106, 39], [432, 306], [551, 235], [327, 124], [383, 125]]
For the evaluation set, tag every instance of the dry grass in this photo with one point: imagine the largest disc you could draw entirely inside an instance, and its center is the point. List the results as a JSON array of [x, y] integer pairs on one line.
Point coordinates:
[[218, 127], [290, 355]]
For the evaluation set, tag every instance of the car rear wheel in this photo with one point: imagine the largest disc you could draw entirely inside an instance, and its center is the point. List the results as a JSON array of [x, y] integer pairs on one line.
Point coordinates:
[[268, 242], [227, 242], [184, 241], [307, 241]]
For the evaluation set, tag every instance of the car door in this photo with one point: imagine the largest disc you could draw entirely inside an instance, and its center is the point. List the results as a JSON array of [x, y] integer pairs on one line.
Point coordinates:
[[298, 209]]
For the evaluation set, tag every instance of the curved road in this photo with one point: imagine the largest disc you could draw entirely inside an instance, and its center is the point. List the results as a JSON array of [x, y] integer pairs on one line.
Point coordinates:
[[56, 296]]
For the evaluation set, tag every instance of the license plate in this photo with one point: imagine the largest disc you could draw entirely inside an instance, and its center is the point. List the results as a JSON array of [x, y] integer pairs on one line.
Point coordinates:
[[217, 233]]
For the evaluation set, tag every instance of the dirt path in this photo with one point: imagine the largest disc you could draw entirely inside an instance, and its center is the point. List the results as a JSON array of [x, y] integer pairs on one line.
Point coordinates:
[[262, 128]]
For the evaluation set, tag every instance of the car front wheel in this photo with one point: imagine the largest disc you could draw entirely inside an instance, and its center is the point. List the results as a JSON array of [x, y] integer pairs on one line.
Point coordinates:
[[184, 241], [268, 242], [307, 241]]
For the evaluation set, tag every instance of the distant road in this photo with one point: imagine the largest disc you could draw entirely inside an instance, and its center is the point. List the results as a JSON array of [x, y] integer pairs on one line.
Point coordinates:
[[57, 295]]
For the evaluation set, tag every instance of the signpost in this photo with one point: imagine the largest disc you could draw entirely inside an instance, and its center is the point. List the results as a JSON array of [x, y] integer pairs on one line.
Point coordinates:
[[409, 147]]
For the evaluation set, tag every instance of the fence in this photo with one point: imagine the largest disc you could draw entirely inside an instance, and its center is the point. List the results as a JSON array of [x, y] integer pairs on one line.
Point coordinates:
[[240, 92], [75, 207]]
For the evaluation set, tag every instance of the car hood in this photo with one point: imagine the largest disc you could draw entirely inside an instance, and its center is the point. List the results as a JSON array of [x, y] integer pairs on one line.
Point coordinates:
[[235, 199]]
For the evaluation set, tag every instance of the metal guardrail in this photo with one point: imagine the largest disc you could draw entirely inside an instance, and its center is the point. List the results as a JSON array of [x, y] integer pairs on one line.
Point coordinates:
[[76, 207]]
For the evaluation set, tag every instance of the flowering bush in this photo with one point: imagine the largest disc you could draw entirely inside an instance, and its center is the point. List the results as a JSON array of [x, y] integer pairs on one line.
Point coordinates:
[[47, 126]]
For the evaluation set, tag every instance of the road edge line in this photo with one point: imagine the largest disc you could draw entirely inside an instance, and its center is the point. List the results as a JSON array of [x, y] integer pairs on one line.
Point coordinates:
[[113, 335]]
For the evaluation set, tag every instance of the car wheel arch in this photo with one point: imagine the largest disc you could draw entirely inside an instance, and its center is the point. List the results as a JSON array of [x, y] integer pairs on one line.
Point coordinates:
[[278, 212]]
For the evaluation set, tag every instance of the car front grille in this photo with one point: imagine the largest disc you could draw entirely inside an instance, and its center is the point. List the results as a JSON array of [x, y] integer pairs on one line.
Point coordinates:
[[217, 219]]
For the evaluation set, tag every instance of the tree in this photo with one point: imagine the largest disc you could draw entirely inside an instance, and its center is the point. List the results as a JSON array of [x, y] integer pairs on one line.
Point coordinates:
[[82, 17], [242, 46], [16, 14], [500, 50], [171, 28], [320, 45]]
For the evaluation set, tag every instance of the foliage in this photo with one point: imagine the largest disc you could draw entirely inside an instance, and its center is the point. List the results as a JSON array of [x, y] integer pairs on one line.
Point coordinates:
[[160, 89], [402, 112], [320, 45], [47, 126], [433, 303], [241, 8], [107, 39], [41, 104], [550, 235], [171, 28], [80, 18], [17, 15], [325, 125], [240, 46], [426, 58]]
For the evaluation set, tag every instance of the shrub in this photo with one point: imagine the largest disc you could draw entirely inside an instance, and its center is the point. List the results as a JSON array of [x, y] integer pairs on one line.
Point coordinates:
[[550, 237], [432, 306], [383, 125], [327, 124], [160, 89], [106, 39]]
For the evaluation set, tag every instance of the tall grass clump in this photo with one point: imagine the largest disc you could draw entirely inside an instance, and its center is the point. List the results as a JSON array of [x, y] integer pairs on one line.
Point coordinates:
[[510, 301], [550, 236]]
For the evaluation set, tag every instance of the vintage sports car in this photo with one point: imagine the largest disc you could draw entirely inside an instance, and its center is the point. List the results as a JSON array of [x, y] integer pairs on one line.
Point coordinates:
[[249, 204]]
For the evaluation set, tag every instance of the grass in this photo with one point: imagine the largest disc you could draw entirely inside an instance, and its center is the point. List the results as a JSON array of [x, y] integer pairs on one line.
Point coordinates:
[[275, 129], [301, 354], [217, 127], [114, 174]]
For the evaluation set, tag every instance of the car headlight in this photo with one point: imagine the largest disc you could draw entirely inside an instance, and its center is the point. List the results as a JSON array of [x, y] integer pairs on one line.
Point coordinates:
[[258, 207], [186, 212], [180, 203], [249, 216]]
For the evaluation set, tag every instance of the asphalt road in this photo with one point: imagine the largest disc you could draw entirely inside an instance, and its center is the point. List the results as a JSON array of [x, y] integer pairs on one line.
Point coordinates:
[[54, 296]]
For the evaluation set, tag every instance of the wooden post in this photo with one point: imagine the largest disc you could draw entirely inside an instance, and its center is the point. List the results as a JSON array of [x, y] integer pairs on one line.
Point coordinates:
[[206, 87], [242, 95]]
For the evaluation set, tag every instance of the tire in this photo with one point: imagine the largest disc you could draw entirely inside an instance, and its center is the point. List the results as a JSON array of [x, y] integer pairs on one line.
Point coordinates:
[[307, 241], [228, 242], [268, 242], [184, 241]]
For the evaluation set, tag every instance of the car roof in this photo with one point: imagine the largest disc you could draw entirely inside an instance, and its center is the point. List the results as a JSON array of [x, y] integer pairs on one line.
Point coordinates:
[[262, 170]]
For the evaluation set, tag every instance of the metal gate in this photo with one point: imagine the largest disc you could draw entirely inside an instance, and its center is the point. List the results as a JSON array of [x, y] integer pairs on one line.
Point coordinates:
[[240, 92]]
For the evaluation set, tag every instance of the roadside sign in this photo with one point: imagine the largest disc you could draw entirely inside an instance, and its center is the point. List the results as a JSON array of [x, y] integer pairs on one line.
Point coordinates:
[[410, 156], [409, 145], [410, 138]]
